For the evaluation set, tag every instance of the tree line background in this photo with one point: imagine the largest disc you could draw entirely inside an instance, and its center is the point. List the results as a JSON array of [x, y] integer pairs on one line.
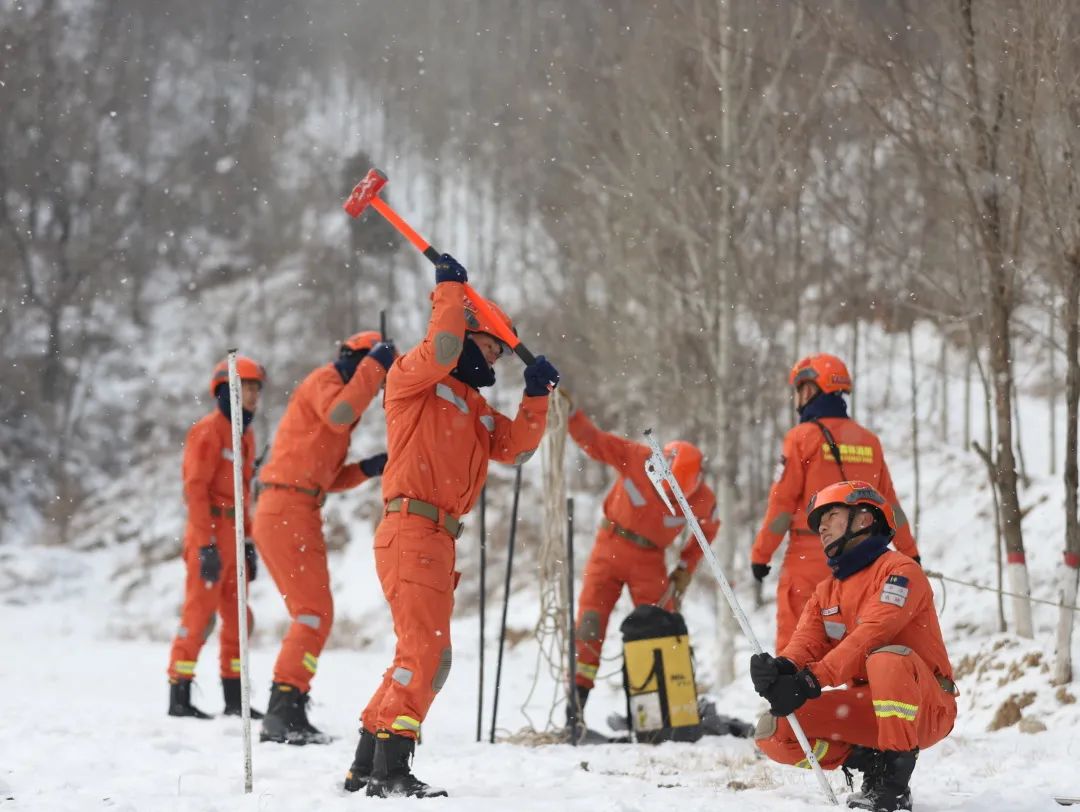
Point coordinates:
[[683, 195]]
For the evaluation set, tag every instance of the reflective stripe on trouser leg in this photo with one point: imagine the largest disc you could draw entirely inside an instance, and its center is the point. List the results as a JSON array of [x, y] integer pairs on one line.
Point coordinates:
[[415, 564], [229, 637], [820, 748], [291, 544], [907, 700], [200, 604], [406, 723]]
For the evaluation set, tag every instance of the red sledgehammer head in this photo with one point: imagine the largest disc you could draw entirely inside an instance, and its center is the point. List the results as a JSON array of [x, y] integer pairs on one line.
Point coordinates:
[[364, 192]]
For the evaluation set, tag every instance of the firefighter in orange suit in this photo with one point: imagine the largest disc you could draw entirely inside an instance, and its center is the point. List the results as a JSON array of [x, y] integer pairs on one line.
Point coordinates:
[[210, 540], [441, 434], [307, 461], [871, 626], [629, 546], [826, 447]]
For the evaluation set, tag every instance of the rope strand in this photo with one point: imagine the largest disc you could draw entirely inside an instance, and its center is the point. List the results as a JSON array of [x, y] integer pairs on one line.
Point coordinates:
[[973, 585]]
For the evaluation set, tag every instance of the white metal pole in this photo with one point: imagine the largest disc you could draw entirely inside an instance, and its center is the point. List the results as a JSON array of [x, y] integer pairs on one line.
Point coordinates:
[[236, 412], [658, 472]]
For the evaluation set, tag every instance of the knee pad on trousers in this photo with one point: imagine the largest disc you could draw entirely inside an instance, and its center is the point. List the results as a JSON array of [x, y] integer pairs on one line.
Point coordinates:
[[588, 629], [766, 726], [446, 659]]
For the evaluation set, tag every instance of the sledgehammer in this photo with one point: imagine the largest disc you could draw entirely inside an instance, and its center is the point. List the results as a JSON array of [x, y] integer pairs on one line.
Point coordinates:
[[366, 193]]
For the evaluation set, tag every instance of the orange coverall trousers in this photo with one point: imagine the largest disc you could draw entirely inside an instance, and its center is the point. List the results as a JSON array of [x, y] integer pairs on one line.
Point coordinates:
[[414, 559], [614, 561], [288, 534], [900, 708], [202, 601], [804, 567]]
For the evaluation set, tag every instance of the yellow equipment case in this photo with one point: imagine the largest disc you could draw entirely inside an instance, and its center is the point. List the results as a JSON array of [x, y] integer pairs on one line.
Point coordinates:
[[658, 677]]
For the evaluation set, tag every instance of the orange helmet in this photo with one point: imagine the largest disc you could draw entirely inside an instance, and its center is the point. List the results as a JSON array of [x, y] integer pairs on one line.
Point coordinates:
[[362, 342], [247, 369], [849, 494], [475, 322], [685, 460], [827, 371]]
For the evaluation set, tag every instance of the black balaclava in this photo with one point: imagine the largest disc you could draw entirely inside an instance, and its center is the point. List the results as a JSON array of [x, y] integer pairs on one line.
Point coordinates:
[[823, 404], [859, 557], [472, 369], [222, 395]]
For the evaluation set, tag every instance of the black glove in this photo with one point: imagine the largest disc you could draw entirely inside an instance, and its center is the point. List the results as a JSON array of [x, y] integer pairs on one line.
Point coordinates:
[[540, 377], [766, 669], [448, 269], [209, 563], [917, 559], [251, 559], [760, 571], [384, 352], [790, 692], [374, 465]]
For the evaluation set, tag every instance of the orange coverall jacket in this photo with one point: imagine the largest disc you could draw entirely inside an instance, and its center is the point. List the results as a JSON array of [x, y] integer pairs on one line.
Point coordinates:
[[441, 433], [877, 632], [313, 437], [807, 466], [440, 436], [632, 503], [208, 478]]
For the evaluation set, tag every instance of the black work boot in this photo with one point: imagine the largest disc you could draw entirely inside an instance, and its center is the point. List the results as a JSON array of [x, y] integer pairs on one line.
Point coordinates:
[[180, 700], [576, 729], [231, 688], [286, 718], [894, 791], [390, 773], [360, 771], [871, 764]]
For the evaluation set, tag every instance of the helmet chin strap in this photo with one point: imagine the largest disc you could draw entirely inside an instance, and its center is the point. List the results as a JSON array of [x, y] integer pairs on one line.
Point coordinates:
[[836, 548]]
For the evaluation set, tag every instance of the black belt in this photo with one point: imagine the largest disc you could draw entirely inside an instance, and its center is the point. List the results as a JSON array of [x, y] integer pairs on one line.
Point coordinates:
[[630, 535], [312, 492], [416, 507], [217, 512]]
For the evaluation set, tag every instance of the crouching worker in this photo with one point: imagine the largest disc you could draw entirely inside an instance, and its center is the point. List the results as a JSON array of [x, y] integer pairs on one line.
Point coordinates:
[[873, 628]]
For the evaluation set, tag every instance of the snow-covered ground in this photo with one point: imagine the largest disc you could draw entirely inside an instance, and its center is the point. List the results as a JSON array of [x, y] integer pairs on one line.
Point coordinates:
[[84, 722]]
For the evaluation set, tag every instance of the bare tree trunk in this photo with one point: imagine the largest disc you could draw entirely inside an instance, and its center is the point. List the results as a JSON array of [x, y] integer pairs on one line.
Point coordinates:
[[1052, 405], [726, 625], [967, 395], [1000, 284], [1067, 599], [1001, 375], [985, 455], [914, 426], [854, 362], [1018, 421], [943, 377]]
